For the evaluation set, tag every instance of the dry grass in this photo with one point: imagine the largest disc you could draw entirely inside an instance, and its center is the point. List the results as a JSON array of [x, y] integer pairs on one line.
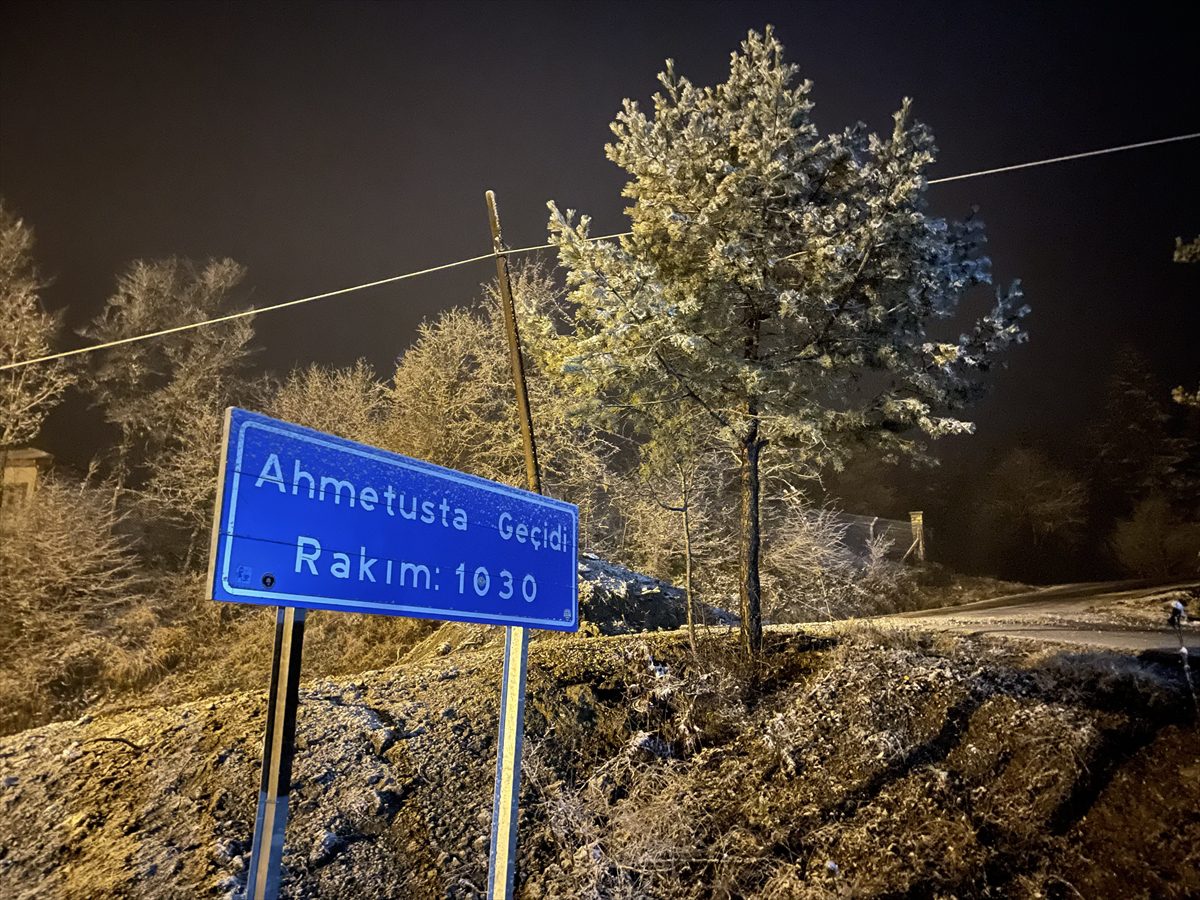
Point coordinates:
[[875, 764], [170, 646]]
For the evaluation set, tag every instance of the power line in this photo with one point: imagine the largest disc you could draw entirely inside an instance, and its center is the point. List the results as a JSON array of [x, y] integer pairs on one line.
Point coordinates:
[[1058, 159], [242, 314], [462, 262]]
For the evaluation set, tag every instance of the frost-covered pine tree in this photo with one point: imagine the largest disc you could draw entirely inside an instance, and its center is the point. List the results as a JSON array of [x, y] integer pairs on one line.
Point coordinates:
[[782, 281], [1136, 452]]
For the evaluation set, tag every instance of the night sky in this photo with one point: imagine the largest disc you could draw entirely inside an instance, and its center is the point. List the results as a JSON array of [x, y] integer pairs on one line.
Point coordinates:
[[328, 145]]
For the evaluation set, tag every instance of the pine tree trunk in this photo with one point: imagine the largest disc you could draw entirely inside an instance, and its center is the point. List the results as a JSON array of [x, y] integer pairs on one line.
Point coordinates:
[[3, 471], [751, 544], [687, 578]]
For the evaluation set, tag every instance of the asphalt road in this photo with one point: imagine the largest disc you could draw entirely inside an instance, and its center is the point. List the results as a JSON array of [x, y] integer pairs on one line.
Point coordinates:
[[1057, 614]]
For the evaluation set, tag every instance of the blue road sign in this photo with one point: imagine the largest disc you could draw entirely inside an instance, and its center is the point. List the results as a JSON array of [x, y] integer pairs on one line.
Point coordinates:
[[310, 520]]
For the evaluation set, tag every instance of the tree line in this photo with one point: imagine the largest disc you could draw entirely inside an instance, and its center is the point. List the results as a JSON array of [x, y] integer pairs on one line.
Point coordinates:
[[783, 308]]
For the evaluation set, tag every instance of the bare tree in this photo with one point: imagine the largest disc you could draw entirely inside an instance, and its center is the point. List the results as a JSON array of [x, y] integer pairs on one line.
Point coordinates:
[[182, 475], [680, 474], [1029, 515], [166, 395], [449, 398], [452, 403], [350, 402], [576, 454], [27, 331], [1030, 494]]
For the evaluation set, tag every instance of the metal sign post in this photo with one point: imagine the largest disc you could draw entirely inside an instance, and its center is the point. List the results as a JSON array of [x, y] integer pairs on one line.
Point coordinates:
[[505, 804], [278, 749], [502, 857], [307, 520]]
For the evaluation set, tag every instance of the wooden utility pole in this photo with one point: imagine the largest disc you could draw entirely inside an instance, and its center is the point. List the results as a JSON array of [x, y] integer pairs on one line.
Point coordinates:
[[532, 473], [502, 858], [917, 518]]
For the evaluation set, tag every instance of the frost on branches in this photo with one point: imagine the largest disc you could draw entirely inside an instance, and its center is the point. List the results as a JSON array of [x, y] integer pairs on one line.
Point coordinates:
[[166, 395], [27, 331], [781, 281]]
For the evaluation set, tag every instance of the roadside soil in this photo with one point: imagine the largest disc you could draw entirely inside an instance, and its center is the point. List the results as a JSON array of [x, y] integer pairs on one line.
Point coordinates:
[[877, 762]]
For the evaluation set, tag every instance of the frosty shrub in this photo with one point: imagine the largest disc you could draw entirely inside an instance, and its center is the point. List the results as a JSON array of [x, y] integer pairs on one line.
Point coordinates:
[[67, 580], [1155, 543], [633, 819], [62, 559], [812, 573]]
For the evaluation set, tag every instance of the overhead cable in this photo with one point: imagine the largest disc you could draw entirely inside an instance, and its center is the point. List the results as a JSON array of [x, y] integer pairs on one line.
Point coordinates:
[[1058, 159], [242, 314], [462, 262]]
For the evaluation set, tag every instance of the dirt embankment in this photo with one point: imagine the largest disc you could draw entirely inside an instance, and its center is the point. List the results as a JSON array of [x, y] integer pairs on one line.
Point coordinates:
[[866, 764]]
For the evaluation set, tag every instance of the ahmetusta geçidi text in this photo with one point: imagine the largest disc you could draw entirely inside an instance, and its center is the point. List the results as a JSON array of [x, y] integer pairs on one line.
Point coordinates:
[[311, 557]]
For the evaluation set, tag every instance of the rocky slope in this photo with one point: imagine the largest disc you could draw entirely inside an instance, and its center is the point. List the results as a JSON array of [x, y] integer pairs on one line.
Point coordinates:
[[863, 764]]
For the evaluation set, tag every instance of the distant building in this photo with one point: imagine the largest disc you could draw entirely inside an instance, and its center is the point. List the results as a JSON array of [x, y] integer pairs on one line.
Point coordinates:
[[23, 470]]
